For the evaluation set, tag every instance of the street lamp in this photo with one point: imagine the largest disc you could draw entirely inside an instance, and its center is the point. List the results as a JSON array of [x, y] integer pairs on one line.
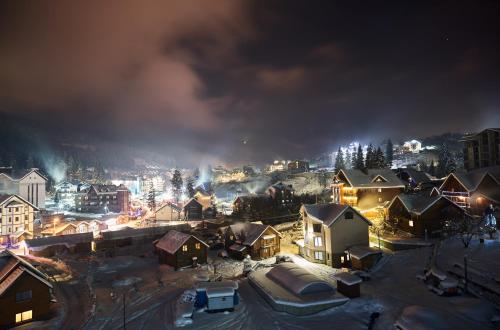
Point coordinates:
[[54, 222]]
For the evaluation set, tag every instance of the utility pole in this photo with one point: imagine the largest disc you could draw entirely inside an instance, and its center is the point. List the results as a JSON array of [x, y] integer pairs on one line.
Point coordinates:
[[123, 311], [465, 273]]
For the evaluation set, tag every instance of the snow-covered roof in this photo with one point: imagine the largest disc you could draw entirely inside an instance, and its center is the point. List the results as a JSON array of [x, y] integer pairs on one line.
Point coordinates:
[[237, 247], [6, 198], [329, 213], [67, 240], [472, 179], [419, 203], [434, 270], [248, 233], [298, 280], [368, 178], [220, 292], [173, 240], [359, 251], [201, 286], [347, 278]]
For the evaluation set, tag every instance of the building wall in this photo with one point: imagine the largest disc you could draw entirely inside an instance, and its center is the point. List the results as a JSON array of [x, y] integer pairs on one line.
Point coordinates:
[[167, 213], [482, 149], [265, 248], [31, 188], [185, 258], [39, 304], [16, 216]]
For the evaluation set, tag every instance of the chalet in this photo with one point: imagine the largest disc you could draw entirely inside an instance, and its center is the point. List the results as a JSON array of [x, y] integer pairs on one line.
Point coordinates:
[[421, 214], [52, 245], [82, 227], [367, 189], [251, 205], [25, 292], [418, 180], [16, 214], [103, 199], [281, 194], [28, 184], [199, 208], [60, 229], [330, 230], [168, 212], [181, 250], [363, 257], [257, 240], [474, 190]]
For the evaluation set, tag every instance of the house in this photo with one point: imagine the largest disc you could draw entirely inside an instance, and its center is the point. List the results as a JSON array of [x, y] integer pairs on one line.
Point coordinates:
[[25, 292], [281, 194], [482, 149], [418, 180], [168, 212], [363, 257], [367, 189], [59, 229], [100, 198], [421, 214], [20, 236], [28, 184], [52, 245], [257, 240], [181, 250], [474, 190], [65, 194], [82, 227], [298, 166], [330, 230], [253, 205], [193, 209], [16, 214], [348, 284]]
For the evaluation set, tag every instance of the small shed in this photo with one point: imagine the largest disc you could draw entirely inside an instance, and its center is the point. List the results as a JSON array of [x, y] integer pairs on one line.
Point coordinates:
[[348, 284], [181, 250], [193, 210], [217, 296], [364, 257]]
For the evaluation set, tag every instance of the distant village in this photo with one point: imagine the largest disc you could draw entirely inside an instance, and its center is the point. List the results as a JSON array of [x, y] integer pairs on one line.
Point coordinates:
[[99, 247]]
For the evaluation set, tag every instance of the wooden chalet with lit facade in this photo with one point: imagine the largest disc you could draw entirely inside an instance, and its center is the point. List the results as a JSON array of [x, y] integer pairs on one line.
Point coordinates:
[[365, 190], [474, 190], [100, 198], [257, 240], [181, 250], [281, 194]]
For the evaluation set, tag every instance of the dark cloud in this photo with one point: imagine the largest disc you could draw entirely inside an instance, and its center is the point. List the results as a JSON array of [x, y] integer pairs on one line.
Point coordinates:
[[193, 79]]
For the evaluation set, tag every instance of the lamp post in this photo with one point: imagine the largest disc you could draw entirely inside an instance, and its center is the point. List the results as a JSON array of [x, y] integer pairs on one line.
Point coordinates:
[[54, 223]]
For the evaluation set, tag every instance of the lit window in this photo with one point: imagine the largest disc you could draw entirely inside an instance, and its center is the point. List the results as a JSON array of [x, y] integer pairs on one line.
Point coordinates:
[[198, 246], [379, 190], [184, 248], [24, 316], [380, 199], [318, 241], [410, 223], [318, 255]]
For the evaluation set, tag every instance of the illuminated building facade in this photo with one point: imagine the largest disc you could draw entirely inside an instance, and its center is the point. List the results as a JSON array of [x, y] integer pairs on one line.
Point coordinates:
[[482, 149]]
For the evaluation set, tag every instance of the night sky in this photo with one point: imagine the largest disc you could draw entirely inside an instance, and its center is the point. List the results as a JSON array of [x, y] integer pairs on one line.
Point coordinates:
[[237, 81]]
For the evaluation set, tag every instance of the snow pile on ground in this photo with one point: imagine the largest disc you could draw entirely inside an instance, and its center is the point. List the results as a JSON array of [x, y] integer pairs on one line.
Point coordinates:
[[126, 281], [184, 308]]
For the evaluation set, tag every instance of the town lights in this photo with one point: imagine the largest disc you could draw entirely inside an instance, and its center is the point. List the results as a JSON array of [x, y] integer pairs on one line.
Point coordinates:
[[56, 220]]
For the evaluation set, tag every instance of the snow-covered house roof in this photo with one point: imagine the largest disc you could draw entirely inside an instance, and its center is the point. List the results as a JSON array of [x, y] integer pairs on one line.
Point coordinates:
[[170, 205], [248, 233], [18, 175], [347, 278], [419, 203], [6, 199], [370, 178], [298, 280], [173, 240], [329, 213], [360, 251], [472, 179]]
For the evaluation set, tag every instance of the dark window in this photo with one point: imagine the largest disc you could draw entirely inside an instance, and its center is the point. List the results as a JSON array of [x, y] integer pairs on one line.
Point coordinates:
[[317, 227], [349, 215], [23, 296]]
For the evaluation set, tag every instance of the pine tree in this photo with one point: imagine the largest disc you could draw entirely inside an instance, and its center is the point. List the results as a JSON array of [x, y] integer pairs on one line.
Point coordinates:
[[152, 197], [190, 187], [370, 157], [339, 161], [347, 160], [432, 168], [389, 153], [379, 159], [359, 159], [177, 185], [446, 161]]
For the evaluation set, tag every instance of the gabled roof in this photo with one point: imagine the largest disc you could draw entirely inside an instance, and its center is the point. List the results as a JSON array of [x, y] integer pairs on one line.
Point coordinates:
[[193, 200], [67, 240], [329, 213], [472, 179], [419, 203], [4, 199], [58, 229], [18, 175], [367, 179], [281, 186], [248, 233], [417, 176], [171, 205], [172, 241]]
